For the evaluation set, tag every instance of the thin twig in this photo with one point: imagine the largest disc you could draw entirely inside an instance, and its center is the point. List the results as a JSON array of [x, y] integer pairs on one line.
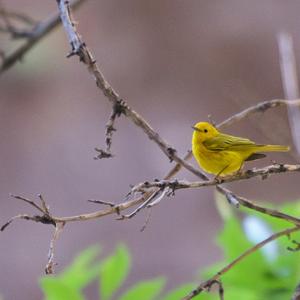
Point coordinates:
[[21, 216], [147, 201], [264, 210], [49, 269], [44, 205], [207, 284], [117, 110], [44, 218], [258, 108], [18, 16], [14, 32], [40, 31], [102, 202], [147, 220], [32, 203]]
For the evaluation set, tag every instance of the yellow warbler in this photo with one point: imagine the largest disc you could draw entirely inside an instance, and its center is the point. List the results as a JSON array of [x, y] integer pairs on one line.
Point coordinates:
[[222, 154]]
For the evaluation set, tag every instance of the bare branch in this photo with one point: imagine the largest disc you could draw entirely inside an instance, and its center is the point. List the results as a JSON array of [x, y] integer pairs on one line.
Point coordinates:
[[22, 216], [17, 16], [80, 49], [258, 108], [32, 203], [231, 197], [182, 184], [14, 32], [45, 218], [208, 283], [102, 202], [251, 205], [156, 190], [45, 208], [49, 269], [146, 221], [146, 203], [41, 30]]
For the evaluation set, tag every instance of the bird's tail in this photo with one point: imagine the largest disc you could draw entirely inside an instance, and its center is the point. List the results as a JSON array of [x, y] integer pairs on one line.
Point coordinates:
[[272, 148]]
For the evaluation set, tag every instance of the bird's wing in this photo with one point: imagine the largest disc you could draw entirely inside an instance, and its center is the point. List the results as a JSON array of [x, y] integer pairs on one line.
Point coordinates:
[[228, 142]]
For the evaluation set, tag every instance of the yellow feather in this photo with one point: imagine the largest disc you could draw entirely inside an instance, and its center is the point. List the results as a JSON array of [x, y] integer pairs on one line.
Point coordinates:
[[222, 154]]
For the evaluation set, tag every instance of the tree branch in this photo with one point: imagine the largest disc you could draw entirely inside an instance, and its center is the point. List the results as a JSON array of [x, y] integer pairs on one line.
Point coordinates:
[[40, 31], [117, 110], [259, 108], [182, 184], [207, 284], [49, 269], [17, 16], [153, 189], [79, 48]]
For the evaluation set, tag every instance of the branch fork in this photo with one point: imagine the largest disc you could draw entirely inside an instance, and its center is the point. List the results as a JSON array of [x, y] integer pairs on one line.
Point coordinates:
[[44, 218]]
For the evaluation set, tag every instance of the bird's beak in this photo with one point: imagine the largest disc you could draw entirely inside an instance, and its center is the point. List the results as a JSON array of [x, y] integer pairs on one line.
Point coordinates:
[[195, 128]]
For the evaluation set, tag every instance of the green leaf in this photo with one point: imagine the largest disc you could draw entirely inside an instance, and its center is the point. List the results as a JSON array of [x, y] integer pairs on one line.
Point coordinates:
[[180, 292], [145, 290], [82, 271], [234, 242], [114, 271], [237, 293], [272, 278], [232, 239], [285, 270], [54, 289]]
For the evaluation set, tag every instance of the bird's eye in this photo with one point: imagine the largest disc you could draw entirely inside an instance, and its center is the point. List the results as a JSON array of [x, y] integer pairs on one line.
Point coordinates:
[[205, 130]]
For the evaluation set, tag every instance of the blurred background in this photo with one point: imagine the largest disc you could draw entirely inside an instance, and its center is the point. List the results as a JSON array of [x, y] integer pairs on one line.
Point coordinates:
[[175, 63]]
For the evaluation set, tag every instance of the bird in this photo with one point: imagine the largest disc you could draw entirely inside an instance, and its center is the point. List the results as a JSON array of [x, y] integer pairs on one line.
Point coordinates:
[[222, 154]]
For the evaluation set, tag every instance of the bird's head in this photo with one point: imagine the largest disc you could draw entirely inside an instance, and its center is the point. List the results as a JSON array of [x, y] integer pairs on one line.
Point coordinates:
[[204, 131]]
